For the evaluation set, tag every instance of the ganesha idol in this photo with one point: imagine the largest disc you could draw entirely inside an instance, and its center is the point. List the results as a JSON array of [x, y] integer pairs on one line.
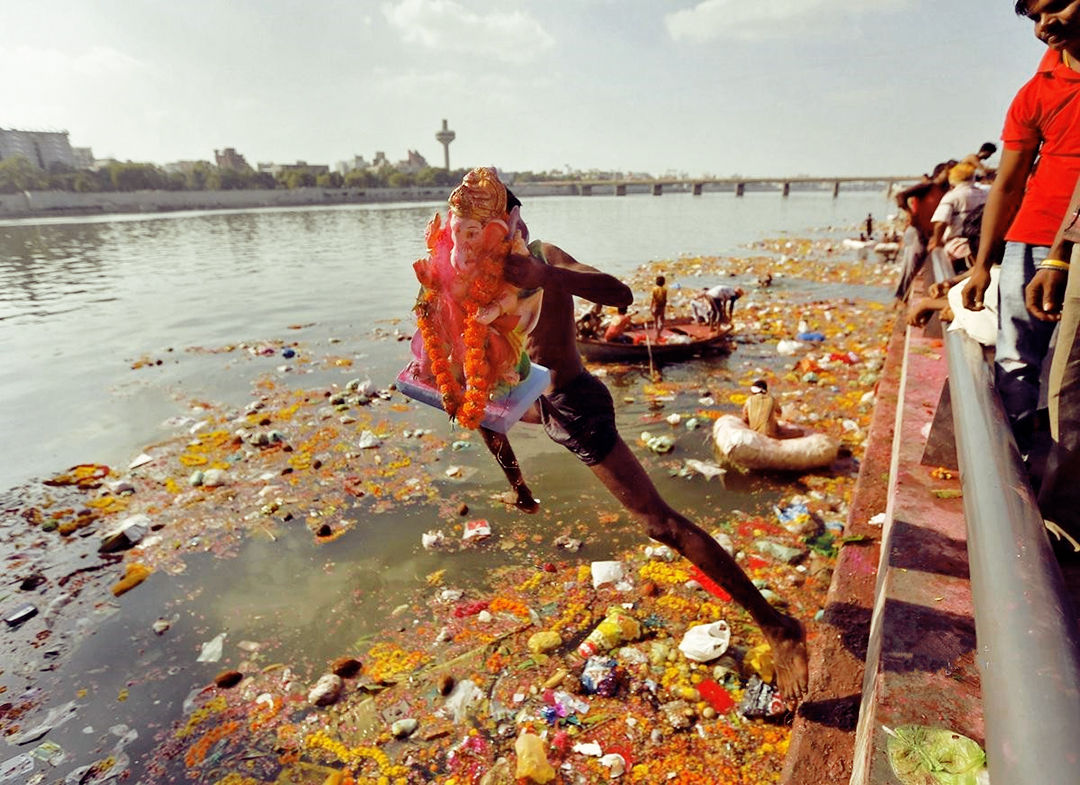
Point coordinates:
[[470, 345]]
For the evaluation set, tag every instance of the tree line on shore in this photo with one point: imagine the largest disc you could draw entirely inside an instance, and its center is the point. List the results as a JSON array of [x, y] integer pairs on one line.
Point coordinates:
[[17, 174]]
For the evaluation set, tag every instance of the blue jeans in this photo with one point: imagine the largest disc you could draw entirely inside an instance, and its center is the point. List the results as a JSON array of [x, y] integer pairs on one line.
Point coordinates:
[[1022, 341]]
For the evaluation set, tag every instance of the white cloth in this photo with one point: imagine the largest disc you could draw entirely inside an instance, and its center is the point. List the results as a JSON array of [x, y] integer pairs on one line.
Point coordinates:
[[980, 325], [955, 205], [722, 292]]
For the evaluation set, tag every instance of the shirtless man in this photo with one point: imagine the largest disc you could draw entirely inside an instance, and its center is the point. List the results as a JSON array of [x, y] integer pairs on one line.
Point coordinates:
[[577, 412]]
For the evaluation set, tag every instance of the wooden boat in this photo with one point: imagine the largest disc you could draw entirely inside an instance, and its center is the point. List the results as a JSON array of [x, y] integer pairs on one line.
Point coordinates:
[[681, 339]]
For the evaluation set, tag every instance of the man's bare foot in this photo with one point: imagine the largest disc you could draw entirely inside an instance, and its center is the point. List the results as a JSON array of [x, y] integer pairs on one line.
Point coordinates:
[[789, 656], [522, 498]]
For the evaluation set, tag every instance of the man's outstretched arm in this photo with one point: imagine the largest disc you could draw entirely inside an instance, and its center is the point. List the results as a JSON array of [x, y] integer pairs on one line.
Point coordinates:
[[564, 272]]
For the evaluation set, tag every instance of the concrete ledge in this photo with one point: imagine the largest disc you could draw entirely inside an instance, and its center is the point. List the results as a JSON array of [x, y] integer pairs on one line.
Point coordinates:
[[823, 735], [920, 663]]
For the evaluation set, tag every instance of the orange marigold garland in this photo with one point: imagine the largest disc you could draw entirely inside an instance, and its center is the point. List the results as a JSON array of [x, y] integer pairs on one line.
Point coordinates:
[[464, 401], [438, 352]]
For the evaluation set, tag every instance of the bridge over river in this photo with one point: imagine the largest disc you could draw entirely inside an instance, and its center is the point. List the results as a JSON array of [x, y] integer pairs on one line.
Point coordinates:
[[697, 185]]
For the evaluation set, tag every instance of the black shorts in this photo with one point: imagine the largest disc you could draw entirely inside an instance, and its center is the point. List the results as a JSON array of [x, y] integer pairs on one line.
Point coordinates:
[[581, 417]]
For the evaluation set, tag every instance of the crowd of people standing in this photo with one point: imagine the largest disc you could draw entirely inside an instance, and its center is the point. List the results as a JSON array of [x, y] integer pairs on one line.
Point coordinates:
[[1027, 212]]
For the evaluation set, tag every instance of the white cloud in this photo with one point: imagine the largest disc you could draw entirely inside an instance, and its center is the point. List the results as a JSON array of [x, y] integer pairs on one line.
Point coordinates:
[[95, 63], [57, 85], [449, 27], [713, 19]]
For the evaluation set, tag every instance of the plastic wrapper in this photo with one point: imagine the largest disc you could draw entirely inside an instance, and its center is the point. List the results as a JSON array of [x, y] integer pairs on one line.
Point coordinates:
[[600, 677], [761, 700], [605, 572], [532, 762], [617, 628], [921, 755]]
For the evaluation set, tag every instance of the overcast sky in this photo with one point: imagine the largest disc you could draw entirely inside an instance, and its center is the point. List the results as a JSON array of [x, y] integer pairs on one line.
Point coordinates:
[[756, 87]]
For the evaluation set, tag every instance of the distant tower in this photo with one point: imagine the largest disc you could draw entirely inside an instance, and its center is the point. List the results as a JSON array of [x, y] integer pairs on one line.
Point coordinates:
[[445, 137]]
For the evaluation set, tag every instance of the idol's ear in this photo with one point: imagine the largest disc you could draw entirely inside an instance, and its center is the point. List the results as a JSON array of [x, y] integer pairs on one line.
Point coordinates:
[[493, 233]]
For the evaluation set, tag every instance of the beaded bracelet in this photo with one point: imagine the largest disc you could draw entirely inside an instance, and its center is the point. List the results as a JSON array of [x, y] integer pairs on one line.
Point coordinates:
[[1053, 264]]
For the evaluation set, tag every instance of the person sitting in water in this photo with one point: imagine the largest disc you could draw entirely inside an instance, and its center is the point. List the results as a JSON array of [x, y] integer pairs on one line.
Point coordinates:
[[616, 331], [761, 411]]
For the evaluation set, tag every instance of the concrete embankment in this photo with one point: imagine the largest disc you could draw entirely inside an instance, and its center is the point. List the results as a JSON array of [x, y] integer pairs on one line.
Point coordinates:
[[898, 645], [37, 204]]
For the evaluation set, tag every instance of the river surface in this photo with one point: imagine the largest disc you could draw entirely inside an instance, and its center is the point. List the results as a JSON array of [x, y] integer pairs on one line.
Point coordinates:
[[90, 307], [81, 299]]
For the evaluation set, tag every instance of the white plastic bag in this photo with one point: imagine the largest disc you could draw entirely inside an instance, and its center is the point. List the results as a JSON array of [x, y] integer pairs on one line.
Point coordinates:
[[606, 572], [706, 642]]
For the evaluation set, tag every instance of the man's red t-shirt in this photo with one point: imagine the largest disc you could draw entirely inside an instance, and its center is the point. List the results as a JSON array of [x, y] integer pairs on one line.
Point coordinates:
[[1045, 114]]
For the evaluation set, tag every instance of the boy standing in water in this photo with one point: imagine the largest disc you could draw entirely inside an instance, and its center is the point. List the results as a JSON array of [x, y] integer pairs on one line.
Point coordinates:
[[577, 412], [658, 304]]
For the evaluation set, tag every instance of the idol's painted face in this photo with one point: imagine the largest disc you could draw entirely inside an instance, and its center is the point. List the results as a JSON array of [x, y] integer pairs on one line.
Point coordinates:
[[467, 234], [1057, 22]]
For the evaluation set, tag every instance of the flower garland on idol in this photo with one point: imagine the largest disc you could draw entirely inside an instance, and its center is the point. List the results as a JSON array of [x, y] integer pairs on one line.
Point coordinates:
[[469, 348]]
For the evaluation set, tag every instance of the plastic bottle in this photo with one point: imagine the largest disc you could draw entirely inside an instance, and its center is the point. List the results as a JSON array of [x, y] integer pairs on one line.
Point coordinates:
[[618, 627], [532, 762]]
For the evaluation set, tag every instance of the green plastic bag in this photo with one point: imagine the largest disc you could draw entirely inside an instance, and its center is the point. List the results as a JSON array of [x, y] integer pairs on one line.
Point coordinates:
[[920, 755]]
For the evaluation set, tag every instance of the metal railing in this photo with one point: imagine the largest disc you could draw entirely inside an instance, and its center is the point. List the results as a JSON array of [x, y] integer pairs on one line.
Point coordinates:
[[1028, 645]]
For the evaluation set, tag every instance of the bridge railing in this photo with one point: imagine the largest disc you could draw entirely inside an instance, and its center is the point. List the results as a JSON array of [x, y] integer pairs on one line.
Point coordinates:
[[1028, 647]]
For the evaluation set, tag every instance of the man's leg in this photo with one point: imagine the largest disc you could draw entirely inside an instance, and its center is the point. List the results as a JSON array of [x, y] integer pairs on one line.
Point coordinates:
[[624, 476], [1022, 343], [1059, 495], [500, 447], [912, 255], [718, 312]]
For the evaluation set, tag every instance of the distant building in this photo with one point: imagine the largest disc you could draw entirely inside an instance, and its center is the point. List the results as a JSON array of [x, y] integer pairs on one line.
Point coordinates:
[[83, 157], [230, 159], [413, 164], [299, 166], [40, 148], [380, 160], [183, 167]]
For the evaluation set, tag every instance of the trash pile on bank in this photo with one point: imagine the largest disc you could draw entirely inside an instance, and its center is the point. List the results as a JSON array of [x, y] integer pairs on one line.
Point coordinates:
[[572, 672]]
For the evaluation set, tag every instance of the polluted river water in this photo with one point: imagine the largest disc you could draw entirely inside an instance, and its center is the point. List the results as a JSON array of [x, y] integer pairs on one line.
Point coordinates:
[[164, 336]]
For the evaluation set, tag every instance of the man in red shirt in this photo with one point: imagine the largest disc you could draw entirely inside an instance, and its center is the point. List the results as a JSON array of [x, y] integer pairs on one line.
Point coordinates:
[[1039, 166]]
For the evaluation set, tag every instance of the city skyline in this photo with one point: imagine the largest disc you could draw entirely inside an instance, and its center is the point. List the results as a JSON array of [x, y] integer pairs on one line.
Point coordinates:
[[821, 87]]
